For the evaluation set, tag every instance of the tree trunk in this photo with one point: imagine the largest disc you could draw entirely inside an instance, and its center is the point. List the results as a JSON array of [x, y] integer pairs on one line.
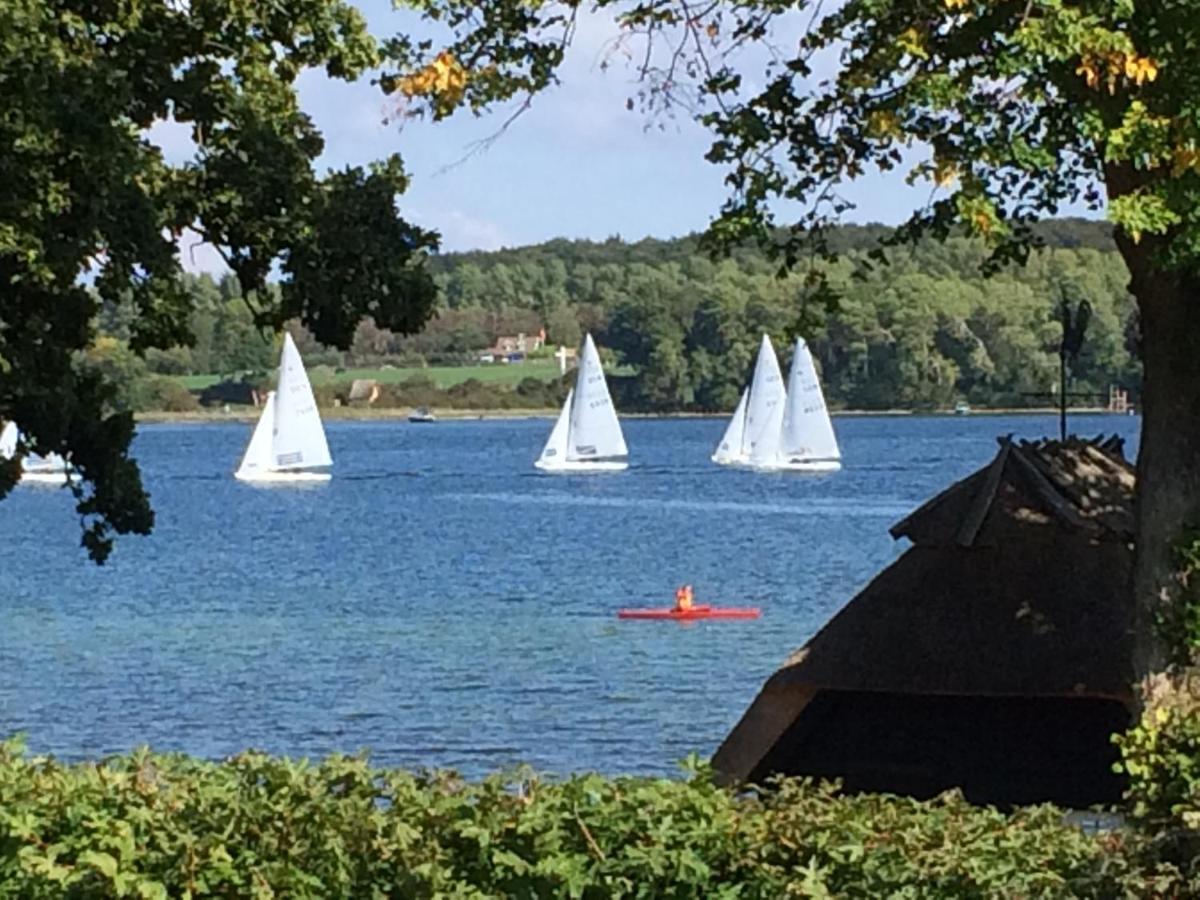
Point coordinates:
[[1168, 464]]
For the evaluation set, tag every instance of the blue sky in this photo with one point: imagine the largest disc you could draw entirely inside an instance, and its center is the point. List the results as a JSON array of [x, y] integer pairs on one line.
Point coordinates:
[[578, 164]]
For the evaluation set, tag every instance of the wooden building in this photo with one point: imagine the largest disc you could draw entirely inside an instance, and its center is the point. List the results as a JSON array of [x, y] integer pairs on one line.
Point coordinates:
[[994, 655]]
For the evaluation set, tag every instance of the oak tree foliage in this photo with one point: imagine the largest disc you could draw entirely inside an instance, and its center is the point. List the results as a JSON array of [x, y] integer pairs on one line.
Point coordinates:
[[91, 211]]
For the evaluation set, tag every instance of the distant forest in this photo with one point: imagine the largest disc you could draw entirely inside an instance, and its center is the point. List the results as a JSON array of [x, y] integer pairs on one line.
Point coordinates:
[[927, 330]]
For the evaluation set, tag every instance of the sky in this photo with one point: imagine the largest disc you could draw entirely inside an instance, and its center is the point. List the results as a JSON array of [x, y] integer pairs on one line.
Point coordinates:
[[577, 164]]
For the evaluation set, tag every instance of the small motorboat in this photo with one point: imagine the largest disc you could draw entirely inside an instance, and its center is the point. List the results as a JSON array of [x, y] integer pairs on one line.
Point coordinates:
[[422, 414], [691, 614]]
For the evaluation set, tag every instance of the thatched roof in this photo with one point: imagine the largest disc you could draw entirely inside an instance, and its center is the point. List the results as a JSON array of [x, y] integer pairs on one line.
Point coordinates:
[[1018, 586], [364, 389], [1080, 485]]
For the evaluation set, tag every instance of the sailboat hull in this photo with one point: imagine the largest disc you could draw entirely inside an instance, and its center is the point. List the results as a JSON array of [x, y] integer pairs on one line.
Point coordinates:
[[298, 477], [52, 478], [579, 467], [803, 466], [736, 462]]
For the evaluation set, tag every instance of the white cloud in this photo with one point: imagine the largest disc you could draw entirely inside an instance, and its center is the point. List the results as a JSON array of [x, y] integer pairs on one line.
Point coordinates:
[[174, 139], [463, 231], [197, 256]]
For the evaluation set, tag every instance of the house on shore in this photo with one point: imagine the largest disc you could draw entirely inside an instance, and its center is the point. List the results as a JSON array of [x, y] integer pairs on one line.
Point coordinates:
[[995, 655], [513, 347]]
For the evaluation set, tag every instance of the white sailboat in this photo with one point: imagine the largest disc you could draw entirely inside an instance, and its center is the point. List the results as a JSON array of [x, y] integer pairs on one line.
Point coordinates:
[[50, 469], [288, 442], [587, 434], [807, 442], [8, 440], [753, 434], [777, 428]]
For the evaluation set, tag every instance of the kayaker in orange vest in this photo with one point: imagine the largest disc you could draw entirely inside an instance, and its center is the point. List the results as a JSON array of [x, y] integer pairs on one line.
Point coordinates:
[[683, 598]]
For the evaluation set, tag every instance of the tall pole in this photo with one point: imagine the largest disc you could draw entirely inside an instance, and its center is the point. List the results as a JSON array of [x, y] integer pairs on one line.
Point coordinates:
[[1062, 393], [1065, 316]]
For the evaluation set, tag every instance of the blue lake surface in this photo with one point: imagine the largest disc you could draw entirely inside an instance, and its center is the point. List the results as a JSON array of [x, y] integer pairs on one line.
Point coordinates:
[[440, 603]]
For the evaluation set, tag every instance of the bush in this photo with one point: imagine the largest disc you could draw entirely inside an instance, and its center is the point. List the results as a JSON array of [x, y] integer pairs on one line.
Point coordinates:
[[159, 393], [1161, 756], [147, 825]]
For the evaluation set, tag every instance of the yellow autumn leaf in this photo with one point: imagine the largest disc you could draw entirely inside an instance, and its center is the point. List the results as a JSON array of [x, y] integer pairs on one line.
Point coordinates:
[[444, 78], [945, 173], [1088, 70], [1183, 160], [882, 123], [955, 4], [913, 43]]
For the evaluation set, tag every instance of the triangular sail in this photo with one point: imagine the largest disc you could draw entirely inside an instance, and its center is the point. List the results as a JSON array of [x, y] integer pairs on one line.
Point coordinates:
[[730, 448], [595, 432], [299, 439], [257, 458], [556, 446], [764, 410], [807, 430], [8, 441]]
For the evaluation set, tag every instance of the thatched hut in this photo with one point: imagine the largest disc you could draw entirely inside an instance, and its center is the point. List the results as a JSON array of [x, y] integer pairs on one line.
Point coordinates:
[[994, 655], [363, 392]]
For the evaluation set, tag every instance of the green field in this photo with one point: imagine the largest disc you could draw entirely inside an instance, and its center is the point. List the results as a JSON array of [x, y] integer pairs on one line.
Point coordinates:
[[443, 377]]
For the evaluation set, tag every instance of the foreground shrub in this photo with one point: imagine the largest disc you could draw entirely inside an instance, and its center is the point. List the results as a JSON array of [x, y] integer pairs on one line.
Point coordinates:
[[147, 825], [1161, 756]]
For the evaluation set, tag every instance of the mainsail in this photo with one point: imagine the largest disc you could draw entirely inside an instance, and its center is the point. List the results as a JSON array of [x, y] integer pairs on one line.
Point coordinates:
[[595, 432], [299, 439], [807, 429], [764, 410]]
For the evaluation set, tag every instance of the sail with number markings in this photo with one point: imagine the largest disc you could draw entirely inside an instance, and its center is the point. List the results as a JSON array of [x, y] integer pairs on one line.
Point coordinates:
[[595, 430], [764, 410], [299, 440], [807, 429]]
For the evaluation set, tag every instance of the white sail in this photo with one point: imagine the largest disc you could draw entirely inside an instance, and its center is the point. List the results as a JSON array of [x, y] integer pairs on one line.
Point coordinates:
[[764, 410], [595, 432], [555, 450], [730, 448], [257, 459], [299, 439], [8, 441], [807, 431]]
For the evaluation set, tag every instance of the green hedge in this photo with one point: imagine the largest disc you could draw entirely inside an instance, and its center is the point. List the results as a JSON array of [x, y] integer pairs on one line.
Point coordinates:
[[147, 825]]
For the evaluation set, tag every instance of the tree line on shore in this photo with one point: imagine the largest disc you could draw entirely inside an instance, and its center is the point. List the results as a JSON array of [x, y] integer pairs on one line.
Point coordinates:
[[926, 330]]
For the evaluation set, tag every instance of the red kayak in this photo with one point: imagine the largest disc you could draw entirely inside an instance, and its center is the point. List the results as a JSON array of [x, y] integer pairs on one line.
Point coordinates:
[[688, 615]]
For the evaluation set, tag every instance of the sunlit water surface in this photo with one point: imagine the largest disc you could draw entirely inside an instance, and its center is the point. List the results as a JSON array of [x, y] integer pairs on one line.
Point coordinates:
[[442, 604]]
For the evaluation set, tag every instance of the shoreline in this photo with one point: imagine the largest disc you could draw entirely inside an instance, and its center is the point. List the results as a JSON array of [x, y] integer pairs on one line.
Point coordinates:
[[243, 414]]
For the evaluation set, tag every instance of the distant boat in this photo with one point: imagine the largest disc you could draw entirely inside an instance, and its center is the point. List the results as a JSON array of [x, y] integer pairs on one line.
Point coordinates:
[[962, 408], [422, 414], [50, 469], [587, 434], [807, 442], [778, 429], [288, 442], [752, 436]]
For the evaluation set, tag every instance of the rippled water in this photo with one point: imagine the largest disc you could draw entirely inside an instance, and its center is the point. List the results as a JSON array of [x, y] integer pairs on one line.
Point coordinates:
[[440, 603]]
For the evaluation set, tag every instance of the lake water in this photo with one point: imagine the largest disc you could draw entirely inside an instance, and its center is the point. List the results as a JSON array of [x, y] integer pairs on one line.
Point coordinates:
[[441, 603]]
